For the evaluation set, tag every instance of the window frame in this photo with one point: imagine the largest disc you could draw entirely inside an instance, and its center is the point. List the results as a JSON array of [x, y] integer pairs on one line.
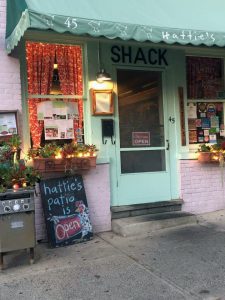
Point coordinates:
[[206, 54]]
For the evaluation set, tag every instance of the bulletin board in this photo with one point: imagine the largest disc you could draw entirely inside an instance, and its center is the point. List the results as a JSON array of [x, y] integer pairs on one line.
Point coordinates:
[[205, 122], [8, 124]]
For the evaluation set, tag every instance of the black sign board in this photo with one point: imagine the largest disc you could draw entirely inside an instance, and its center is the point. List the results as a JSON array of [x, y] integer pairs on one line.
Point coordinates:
[[66, 210]]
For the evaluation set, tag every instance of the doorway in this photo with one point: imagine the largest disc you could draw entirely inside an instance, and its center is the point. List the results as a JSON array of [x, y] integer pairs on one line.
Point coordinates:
[[142, 164]]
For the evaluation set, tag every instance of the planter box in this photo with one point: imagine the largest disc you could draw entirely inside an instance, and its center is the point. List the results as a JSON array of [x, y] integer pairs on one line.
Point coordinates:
[[205, 157], [64, 164]]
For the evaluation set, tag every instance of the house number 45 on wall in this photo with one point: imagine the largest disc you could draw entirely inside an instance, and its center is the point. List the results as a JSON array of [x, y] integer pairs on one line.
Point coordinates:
[[172, 120]]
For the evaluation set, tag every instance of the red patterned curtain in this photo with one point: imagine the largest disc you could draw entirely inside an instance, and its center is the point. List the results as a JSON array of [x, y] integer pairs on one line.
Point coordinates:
[[40, 64], [69, 59]]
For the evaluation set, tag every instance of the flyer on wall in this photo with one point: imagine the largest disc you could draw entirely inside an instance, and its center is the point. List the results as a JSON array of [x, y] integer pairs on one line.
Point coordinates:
[[58, 129], [8, 124]]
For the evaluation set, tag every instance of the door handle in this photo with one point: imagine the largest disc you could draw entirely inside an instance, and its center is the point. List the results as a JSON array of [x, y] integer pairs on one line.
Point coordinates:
[[167, 145]]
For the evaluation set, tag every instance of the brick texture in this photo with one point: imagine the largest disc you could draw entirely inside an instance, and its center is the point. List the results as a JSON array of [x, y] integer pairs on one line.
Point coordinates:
[[10, 85], [96, 181], [202, 186]]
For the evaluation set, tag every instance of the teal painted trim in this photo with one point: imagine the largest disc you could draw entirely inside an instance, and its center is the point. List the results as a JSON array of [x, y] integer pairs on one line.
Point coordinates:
[[187, 156], [103, 160], [125, 31], [24, 95], [81, 26], [14, 11], [58, 39], [18, 32]]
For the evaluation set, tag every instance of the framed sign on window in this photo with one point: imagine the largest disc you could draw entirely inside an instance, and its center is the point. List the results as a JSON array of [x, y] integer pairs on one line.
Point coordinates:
[[8, 123], [102, 102]]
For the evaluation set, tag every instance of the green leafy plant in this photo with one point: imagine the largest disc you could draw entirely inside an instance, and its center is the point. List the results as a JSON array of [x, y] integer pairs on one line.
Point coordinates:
[[6, 154], [204, 148], [72, 149], [69, 149], [32, 153], [49, 150], [15, 142], [19, 174]]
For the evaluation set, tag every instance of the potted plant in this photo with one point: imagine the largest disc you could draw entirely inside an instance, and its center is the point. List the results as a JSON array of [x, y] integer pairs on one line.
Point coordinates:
[[17, 176], [218, 153], [204, 153], [49, 150], [72, 156]]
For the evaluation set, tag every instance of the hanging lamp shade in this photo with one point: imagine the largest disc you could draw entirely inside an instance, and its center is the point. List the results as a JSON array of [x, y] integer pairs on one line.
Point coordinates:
[[102, 75]]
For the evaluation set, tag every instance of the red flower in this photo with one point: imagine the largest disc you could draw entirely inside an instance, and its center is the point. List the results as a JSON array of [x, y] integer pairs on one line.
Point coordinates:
[[223, 146]]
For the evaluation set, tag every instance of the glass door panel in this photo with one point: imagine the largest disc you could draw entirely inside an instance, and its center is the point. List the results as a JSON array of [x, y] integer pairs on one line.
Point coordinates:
[[141, 121]]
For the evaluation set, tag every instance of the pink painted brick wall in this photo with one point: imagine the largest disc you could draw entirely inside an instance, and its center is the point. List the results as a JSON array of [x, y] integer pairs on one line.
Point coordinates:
[[96, 180], [97, 188], [202, 186], [10, 88]]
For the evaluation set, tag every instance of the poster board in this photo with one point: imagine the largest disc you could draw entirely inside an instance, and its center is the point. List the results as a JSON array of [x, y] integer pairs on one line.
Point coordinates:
[[205, 122], [58, 117], [204, 77], [66, 210], [8, 124]]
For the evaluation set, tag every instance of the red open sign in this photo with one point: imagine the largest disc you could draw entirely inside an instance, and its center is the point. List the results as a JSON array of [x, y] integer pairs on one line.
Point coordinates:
[[141, 138]]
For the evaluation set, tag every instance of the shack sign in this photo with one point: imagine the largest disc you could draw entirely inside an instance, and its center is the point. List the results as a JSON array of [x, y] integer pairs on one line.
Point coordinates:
[[141, 138]]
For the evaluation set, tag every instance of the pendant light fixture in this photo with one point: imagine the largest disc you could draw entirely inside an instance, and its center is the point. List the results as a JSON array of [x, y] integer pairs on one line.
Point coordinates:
[[102, 75], [55, 88]]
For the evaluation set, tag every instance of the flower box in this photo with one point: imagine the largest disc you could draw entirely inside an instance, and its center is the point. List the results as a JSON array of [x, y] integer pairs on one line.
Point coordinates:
[[205, 157], [64, 164]]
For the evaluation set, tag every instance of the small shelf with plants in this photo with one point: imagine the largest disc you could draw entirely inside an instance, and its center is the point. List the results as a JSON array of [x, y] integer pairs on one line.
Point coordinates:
[[14, 173], [212, 153], [67, 158]]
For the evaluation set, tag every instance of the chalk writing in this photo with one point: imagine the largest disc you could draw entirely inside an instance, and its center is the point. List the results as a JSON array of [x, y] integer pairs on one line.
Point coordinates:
[[67, 228], [66, 210]]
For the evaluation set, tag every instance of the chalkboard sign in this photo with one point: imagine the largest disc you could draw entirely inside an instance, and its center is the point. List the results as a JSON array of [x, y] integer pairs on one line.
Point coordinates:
[[66, 210]]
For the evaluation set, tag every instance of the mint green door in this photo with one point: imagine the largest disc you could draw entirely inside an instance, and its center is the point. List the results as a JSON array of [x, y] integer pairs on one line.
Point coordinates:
[[142, 146]]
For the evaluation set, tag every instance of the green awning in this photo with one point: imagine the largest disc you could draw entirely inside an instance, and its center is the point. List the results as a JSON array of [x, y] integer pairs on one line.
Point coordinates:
[[184, 22]]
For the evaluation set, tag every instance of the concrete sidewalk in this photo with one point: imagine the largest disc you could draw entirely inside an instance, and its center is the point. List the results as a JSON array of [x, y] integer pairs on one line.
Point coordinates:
[[186, 262]]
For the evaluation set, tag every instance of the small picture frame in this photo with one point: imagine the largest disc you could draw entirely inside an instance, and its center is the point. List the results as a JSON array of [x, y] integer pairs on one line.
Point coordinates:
[[102, 102]]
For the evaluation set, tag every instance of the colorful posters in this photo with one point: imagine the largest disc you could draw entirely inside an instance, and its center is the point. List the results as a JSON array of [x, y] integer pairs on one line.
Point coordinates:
[[57, 110], [214, 120], [7, 124], [58, 129], [192, 136], [205, 123], [208, 126], [192, 110], [192, 124], [58, 118]]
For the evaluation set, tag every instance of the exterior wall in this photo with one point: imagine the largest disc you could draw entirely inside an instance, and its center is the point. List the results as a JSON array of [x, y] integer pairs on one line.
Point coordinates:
[[96, 181], [97, 188], [202, 186], [10, 87]]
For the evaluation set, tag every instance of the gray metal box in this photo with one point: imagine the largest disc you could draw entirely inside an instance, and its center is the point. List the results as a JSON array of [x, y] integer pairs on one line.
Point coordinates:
[[17, 231]]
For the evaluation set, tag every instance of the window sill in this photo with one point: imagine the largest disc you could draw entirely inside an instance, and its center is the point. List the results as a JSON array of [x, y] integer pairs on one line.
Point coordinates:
[[188, 156]]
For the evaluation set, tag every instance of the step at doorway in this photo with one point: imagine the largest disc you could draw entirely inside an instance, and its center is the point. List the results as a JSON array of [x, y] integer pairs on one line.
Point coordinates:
[[126, 211]]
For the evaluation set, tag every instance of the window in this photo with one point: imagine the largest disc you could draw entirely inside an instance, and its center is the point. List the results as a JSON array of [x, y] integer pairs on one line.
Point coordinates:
[[55, 91], [205, 109]]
